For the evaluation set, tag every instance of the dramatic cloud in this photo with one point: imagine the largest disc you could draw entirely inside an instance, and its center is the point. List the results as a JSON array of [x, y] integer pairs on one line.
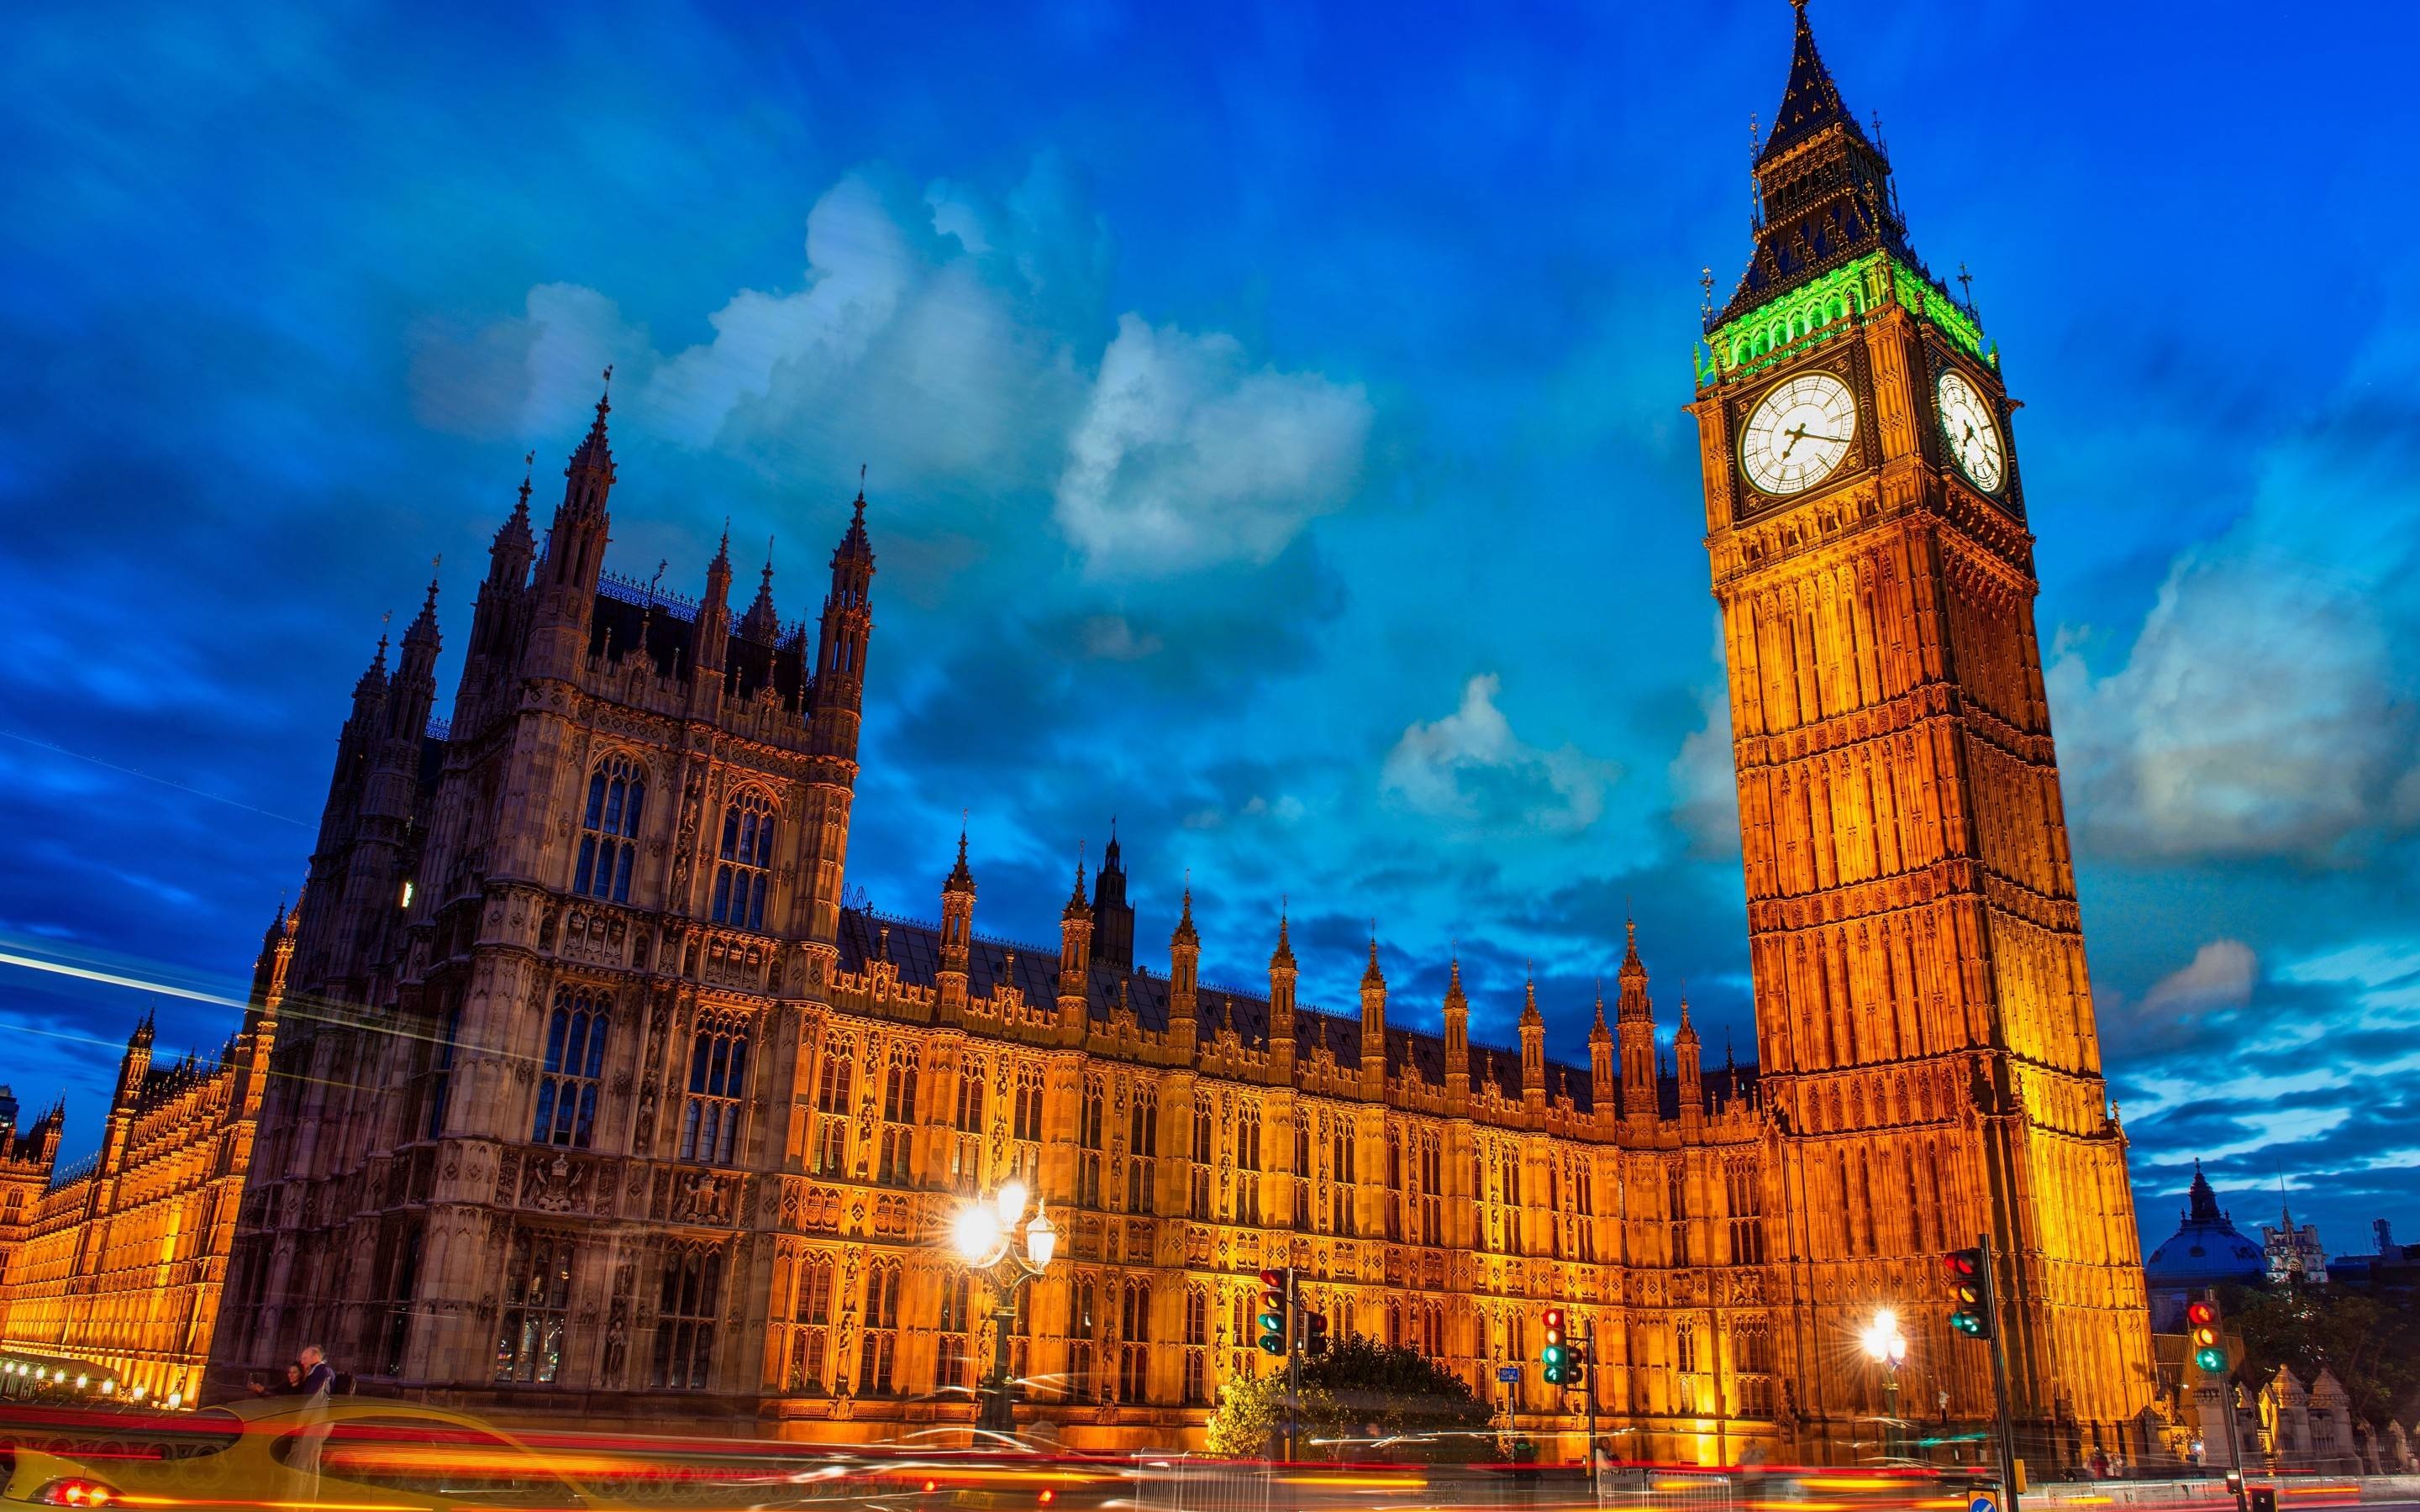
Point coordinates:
[[1187, 455], [1469, 767], [2269, 704], [949, 337]]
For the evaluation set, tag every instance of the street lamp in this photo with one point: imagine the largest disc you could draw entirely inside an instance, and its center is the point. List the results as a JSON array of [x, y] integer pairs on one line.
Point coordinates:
[[1886, 1346], [993, 1236]]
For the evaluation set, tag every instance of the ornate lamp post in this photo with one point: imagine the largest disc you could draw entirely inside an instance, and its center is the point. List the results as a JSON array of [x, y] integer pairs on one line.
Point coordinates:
[[1886, 1346], [993, 1236]]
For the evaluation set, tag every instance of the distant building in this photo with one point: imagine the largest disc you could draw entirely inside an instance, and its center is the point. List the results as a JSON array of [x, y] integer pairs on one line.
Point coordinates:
[[25, 1163], [2390, 1270], [2293, 1254], [119, 1260], [2205, 1251]]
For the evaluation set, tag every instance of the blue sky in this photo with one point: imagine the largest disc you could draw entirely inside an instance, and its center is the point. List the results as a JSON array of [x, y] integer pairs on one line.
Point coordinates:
[[1273, 422]]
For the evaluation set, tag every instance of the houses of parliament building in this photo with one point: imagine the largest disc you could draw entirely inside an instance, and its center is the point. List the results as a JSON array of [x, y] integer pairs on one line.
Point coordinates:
[[592, 1095]]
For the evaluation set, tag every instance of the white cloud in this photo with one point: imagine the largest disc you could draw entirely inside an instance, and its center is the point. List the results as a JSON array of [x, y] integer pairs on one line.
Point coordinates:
[[528, 377], [1187, 456], [2219, 976], [1705, 782], [953, 338], [1470, 767]]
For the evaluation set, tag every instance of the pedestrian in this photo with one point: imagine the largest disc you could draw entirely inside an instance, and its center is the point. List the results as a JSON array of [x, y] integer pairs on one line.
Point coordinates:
[[2100, 1464], [317, 1382]]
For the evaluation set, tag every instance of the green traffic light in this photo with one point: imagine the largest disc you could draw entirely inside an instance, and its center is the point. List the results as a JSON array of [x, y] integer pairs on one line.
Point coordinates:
[[1969, 1324], [1553, 1356], [1272, 1344], [1271, 1323], [2213, 1361]]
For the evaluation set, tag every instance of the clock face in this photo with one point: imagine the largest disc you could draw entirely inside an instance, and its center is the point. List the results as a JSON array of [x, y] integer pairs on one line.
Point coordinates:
[[1974, 438], [1798, 434]]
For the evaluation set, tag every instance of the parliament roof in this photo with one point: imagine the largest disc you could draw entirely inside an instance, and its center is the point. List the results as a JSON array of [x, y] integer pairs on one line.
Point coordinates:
[[913, 948]]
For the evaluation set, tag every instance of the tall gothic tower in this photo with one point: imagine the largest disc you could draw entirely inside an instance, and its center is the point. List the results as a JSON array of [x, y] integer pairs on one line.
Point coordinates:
[[1924, 1017]]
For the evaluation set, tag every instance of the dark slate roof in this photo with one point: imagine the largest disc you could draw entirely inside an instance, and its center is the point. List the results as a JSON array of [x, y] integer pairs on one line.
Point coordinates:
[[626, 611], [914, 948]]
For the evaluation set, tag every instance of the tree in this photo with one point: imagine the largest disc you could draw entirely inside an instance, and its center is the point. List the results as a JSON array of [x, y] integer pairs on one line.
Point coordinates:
[[1401, 1395], [1403, 1404], [1249, 1420], [2372, 1346]]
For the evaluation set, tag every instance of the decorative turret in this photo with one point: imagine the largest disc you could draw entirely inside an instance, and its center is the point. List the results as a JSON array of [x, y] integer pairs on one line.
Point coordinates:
[[497, 614], [957, 930], [709, 645], [575, 550], [414, 691], [1282, 976], [1687, 1067], [1635, 1020], [762, 624], [1373, 1021], [516, 546], [1112, 916], [1533, 1046], [1184, 967], [836, 698], [1457, 1033], [1602, 1082], [1075, 952]]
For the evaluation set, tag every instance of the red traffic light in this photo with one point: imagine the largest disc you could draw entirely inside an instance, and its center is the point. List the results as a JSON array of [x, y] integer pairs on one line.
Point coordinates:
[[2202, 1314], [1273, 1280], [1963, 1263]]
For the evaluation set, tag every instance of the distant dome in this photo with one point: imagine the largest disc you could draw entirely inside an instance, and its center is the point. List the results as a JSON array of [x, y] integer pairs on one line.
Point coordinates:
[[2205, 1250]]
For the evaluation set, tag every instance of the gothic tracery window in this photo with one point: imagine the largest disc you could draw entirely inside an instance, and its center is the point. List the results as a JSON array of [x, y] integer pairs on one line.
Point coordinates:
[[617, 797], [718, 1076], [744, 874], [568, 1079], [536, 1299], [691, 1293]]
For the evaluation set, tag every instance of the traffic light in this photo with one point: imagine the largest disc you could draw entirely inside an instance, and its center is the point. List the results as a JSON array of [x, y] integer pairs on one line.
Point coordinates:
[[1970, 1287], [1574, 1364], [1314, 1333], [1276, 1301], [1554, 1357], [2202, 1336]]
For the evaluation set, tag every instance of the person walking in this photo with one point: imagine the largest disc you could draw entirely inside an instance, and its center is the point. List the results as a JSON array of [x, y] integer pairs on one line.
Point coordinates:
[[316, 1385]]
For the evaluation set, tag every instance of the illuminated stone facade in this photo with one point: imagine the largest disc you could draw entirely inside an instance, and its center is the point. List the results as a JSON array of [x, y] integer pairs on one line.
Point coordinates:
[[606, 1104], [120, 1261], [27, 1157], [1925, 1023]]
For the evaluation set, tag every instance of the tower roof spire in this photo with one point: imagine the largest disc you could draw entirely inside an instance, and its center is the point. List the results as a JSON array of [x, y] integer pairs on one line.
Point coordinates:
[[961, 879], [593, 451], [1810, 100]]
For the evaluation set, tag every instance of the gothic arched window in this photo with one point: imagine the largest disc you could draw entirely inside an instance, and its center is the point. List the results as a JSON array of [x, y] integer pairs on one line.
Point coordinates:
[[618, 794], [744, 873], [685, 1318], [717, 1075], [575, 1058]]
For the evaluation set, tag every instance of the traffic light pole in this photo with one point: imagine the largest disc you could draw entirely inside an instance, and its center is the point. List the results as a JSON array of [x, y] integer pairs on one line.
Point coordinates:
[[1999, 1379], [1293, 1360], [1588, 1392]]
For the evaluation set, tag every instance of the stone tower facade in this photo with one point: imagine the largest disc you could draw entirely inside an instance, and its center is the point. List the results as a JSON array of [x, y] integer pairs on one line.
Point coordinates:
[[1925, 1021]]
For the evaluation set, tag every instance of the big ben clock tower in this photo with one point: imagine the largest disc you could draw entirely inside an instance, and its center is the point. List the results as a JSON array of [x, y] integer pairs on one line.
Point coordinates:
[[1924, 1017]]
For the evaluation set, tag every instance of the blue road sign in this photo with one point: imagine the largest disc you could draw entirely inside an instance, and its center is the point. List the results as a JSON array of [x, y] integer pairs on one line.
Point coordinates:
[[1511, 1373], [1982, 1504]]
